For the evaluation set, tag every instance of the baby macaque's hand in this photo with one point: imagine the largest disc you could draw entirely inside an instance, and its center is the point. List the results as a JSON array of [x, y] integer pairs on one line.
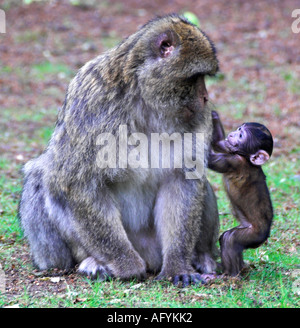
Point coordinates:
[[215, 115]]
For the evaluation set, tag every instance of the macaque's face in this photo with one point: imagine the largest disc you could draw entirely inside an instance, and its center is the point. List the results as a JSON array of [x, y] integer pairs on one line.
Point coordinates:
[[238, 137], [251, 140]]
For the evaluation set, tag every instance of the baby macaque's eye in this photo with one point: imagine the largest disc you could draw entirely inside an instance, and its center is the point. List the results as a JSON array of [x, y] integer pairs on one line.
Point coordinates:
[[241, 135], [239, 129]]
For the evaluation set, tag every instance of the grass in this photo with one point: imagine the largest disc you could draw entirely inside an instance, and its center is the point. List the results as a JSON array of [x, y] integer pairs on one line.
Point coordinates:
[[269, 282], [9, 197], [45, 69]]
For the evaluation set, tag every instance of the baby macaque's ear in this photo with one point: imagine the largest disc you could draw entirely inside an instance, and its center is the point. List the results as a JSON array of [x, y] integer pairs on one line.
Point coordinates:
[[259, 158]]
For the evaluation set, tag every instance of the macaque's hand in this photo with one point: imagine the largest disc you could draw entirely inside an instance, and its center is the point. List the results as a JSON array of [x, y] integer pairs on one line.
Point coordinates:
[[215, 115]]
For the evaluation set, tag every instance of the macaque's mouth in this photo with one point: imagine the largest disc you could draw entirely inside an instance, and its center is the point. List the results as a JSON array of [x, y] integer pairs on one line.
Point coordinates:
[[188, 113], [190, 109], [230, 142]]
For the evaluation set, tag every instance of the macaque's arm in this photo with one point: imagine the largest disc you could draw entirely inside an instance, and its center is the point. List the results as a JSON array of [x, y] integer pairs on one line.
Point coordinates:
[[224, 163], [218, 143]]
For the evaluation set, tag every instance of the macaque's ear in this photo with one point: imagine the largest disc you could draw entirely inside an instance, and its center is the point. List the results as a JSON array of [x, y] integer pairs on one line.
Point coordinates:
[[259, 158], [165, 44]]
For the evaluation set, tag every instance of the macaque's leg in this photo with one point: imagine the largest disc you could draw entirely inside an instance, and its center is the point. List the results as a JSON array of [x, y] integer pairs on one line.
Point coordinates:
[[48, 247], [206, 250], [178, 215], [109, 250], [234, 241]]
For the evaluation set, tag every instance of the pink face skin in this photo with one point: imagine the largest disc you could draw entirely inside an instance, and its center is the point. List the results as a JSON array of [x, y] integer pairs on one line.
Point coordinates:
[[237, 137], [236, 140]]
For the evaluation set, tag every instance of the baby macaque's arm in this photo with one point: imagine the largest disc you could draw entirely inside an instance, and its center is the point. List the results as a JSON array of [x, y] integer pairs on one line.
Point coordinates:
[[218, 143], [223, 163]]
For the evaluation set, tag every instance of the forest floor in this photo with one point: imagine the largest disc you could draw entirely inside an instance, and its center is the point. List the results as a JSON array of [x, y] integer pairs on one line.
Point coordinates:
[[47, 42]]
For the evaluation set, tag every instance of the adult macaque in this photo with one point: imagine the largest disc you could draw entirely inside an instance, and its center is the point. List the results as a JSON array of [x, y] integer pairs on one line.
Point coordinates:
[[123, 221], [240, 158]]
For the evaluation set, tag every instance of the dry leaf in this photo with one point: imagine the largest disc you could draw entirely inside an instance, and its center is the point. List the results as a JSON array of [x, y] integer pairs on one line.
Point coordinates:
[[79, 300], [136, 286], [55, 279]]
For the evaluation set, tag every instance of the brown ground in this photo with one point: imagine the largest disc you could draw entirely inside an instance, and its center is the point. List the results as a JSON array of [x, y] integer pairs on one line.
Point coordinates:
[[257, 50]]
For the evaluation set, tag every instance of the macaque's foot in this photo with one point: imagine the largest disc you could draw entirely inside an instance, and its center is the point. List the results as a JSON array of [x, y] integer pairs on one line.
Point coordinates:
[[204, 263], [183, 280], [93, 269], [188, 279], [208, 277]]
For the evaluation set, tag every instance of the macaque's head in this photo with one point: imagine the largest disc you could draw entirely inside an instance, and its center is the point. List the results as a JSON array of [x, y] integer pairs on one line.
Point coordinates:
[[253, 141]]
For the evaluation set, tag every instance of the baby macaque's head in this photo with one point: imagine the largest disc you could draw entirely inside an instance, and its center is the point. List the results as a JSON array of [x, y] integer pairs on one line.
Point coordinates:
[[251, 140]]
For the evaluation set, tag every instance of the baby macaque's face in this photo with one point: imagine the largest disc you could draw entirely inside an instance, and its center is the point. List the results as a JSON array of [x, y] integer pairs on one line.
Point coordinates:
[[238, 137]]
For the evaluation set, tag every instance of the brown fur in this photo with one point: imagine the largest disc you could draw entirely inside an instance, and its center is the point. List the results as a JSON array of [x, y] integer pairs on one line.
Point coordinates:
[[246, 187], [124, 221]]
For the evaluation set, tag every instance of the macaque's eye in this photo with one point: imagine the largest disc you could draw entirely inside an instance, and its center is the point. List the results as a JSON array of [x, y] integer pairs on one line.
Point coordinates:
[[239, 129], [241, 135]]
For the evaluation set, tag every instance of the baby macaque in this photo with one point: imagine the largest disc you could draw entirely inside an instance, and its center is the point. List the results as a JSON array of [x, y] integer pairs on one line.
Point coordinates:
[[239, 157]]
